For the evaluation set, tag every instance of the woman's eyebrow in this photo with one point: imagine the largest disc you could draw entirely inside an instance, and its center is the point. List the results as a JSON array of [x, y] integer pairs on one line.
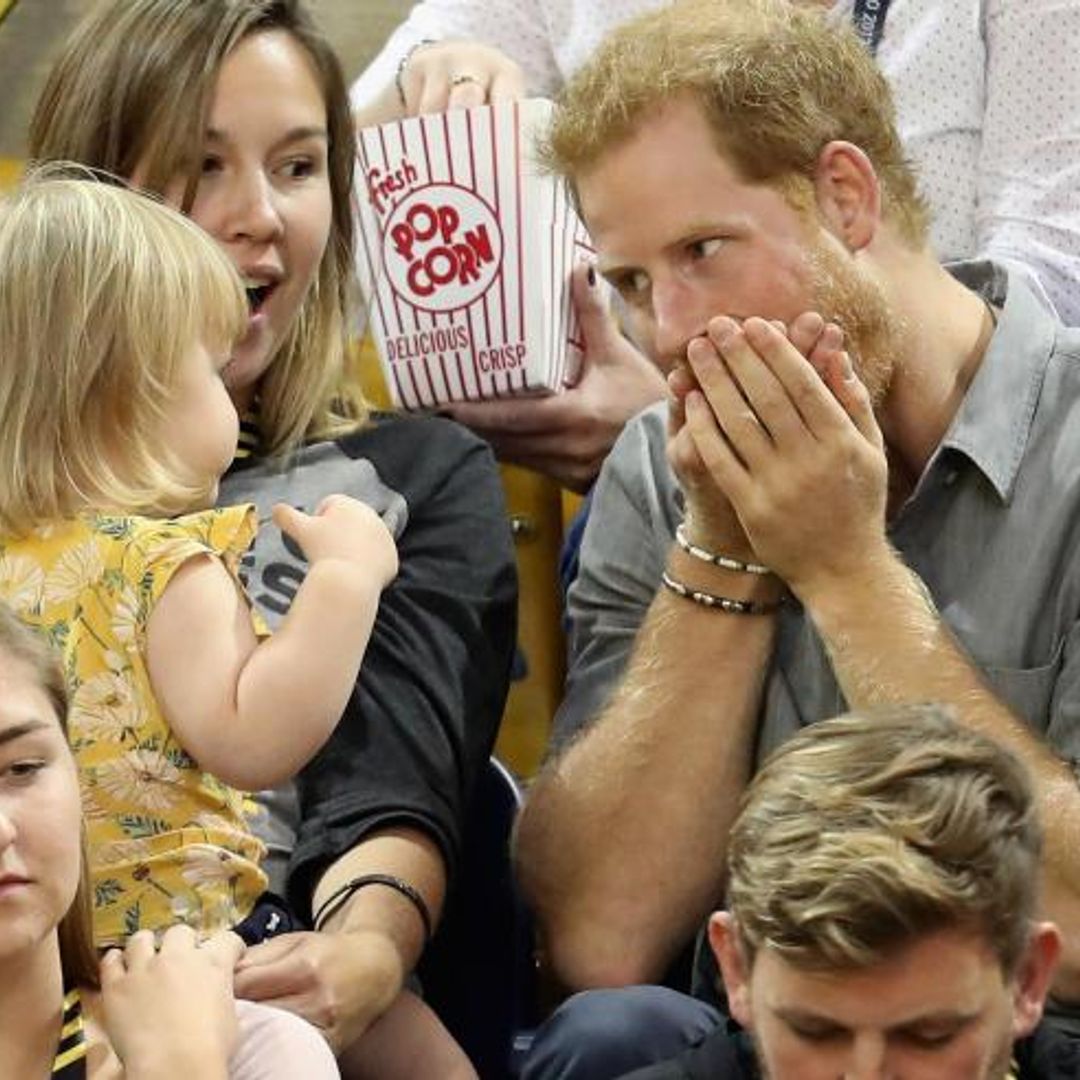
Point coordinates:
[[296, 134], [17, 731]]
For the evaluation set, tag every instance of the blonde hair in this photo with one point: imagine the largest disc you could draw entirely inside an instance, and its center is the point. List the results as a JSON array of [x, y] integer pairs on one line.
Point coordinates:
[[867, 830], [78, 956], [776, 83], [133, 88], [104, 292]]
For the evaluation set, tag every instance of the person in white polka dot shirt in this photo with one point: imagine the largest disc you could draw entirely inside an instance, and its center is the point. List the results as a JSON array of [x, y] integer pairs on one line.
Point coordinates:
[[988, 102]]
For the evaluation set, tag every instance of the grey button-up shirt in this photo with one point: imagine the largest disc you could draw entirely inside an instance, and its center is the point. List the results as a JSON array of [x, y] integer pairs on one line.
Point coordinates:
[[992, 528]]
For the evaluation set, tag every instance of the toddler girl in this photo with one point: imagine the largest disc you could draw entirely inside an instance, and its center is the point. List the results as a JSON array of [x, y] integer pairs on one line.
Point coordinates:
[[117, 316]]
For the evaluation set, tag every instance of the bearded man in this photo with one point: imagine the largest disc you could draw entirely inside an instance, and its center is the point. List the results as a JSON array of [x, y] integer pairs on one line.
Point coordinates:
[[865, 488]]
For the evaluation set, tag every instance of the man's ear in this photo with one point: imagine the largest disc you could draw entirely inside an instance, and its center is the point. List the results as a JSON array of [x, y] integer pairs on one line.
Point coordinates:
[[848, 194], [1033, 976], [734, 968]]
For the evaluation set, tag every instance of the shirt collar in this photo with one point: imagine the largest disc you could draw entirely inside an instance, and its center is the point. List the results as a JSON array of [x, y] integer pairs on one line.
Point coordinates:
[[993, 423]]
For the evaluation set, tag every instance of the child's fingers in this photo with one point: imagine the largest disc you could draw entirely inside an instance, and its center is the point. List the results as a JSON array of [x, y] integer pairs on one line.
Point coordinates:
[[225, 949], [290, 520], [112, 966], [141, 948], [177, 939], [329, 502]]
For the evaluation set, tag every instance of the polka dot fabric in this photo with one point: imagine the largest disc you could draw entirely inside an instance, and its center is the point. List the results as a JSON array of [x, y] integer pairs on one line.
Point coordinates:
[[988, 103], [987, 97]]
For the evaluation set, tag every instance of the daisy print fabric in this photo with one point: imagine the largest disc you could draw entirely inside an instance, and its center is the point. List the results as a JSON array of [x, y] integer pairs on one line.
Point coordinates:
[[168, 842]]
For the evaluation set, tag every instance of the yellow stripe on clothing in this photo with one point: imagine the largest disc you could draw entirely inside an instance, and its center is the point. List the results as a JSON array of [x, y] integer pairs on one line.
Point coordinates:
[[71, 1050], [69, 1057]]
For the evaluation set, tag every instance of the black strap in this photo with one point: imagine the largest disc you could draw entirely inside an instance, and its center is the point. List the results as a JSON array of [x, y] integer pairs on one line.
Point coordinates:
[[337, 899], [869, 20]]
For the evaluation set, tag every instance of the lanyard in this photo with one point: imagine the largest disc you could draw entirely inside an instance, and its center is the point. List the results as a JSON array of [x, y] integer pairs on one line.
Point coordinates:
[[869, 19], [70, 1061]]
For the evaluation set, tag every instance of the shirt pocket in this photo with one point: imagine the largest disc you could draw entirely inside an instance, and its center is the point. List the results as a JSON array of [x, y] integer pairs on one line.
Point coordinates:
[[1029, 691]]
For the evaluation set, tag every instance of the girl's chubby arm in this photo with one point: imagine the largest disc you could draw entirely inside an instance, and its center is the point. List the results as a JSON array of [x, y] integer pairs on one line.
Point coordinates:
[[254, 712]]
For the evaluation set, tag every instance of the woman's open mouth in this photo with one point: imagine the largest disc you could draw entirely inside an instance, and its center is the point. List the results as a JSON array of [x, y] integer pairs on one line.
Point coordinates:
[[257, 296]]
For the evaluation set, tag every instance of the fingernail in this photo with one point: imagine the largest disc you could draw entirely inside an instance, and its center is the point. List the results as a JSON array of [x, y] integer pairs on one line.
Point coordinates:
[[591, 275], [699, 346], [723, 329]]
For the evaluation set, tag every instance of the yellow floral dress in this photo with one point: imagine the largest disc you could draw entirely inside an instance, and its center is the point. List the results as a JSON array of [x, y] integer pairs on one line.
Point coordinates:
[[168, 842]]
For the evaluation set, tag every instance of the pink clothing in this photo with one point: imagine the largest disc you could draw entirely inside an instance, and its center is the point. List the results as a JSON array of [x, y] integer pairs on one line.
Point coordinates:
[[278, 1045]]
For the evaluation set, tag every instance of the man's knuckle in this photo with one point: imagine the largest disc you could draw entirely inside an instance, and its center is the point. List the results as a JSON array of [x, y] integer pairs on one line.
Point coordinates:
[[769, 399], [805, 391]]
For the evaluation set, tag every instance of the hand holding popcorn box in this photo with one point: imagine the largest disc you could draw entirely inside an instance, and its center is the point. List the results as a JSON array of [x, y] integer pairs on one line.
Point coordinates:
[[465, 254]]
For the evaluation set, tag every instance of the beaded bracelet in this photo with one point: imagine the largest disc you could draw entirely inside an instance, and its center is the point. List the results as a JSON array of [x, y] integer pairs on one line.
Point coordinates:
[[726, 562], [336, 900], [724, 603], [403, 63]]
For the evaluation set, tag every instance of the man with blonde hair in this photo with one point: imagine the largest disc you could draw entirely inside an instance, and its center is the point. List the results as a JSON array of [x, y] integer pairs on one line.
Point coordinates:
[[882, 879], [862, 492]]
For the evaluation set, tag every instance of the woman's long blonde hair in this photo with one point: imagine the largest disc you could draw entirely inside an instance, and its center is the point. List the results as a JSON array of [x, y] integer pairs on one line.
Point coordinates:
[[133, 89], [104, 293]]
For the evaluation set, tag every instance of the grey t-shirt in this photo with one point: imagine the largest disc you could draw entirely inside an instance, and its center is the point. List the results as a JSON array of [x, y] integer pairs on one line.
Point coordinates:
[[992, 529]]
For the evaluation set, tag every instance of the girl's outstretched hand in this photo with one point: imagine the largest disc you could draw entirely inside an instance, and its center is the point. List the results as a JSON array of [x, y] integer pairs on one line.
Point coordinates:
[[342, 528], [168, 1007]]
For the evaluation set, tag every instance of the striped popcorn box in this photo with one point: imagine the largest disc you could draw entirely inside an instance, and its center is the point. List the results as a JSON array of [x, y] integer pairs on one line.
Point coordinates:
[[465, 252]]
